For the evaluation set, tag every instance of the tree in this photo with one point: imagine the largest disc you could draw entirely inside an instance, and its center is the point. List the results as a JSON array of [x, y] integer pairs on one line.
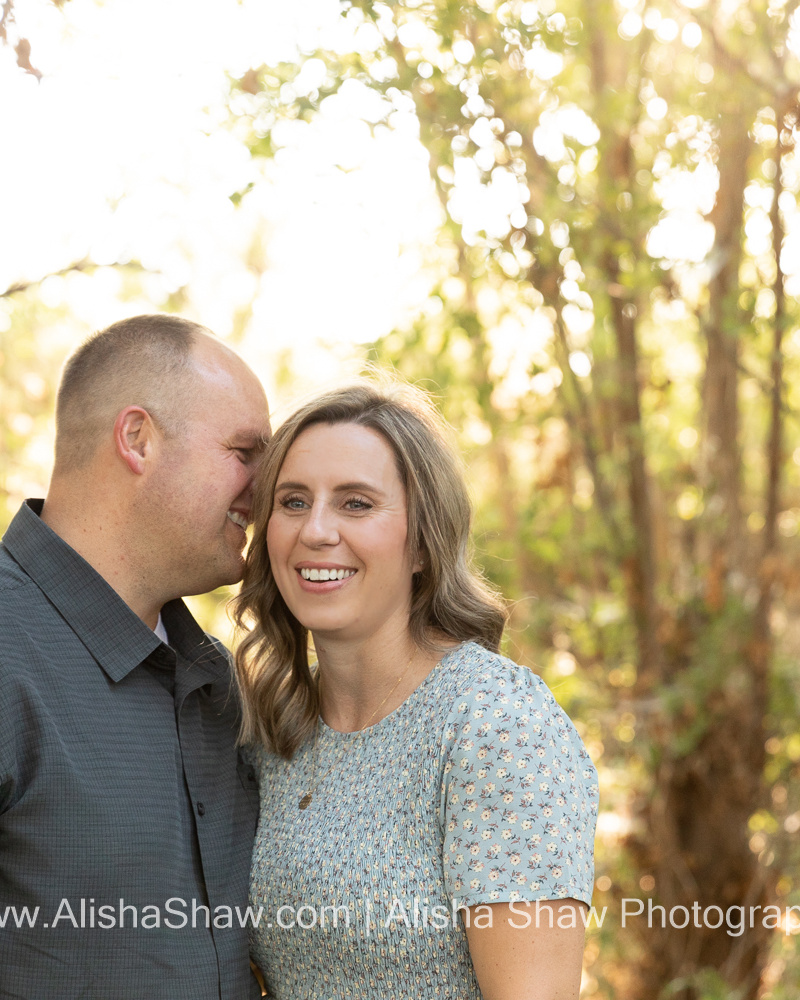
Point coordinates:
[[610, 334]]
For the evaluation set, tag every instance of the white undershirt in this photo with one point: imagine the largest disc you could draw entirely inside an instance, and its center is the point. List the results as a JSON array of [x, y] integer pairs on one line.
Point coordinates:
[[160, 631]]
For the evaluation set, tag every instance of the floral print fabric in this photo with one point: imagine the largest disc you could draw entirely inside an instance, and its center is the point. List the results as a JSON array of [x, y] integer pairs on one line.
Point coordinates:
[[477, 789], [520, 795]]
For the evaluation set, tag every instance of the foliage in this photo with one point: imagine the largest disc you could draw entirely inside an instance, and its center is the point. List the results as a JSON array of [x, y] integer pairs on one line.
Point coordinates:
[[37, 333]]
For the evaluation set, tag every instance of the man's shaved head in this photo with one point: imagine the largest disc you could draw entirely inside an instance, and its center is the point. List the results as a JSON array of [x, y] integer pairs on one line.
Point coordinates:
[[143, 361], [159, 427]]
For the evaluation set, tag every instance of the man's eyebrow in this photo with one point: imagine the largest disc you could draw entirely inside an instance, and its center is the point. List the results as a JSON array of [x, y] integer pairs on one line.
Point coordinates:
[[253, 441]]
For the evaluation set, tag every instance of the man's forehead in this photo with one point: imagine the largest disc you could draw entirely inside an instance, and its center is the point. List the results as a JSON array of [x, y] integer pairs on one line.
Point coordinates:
[[246, 427], [223, 372], [228, 395]]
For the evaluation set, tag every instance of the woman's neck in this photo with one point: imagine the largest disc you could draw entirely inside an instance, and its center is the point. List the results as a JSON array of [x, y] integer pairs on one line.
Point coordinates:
[[364, 681]]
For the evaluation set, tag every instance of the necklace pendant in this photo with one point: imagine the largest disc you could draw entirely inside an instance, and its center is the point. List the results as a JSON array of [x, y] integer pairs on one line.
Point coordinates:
[[305, 802]]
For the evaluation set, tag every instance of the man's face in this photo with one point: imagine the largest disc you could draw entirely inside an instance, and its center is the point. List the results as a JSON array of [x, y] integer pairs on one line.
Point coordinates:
[[199, 496]]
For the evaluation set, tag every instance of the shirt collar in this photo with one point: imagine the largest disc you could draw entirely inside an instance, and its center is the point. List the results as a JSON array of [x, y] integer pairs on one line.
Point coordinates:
[[115, 636], [208, 659]]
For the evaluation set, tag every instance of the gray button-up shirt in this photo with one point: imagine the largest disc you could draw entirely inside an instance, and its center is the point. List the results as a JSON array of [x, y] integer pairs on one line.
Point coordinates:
[[126, 815]]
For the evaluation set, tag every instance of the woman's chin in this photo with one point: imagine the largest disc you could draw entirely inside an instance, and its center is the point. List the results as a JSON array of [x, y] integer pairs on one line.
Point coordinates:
[[320, 628]]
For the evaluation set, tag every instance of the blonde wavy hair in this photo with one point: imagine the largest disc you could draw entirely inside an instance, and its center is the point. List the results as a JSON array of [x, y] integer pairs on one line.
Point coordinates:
[[450, 600]]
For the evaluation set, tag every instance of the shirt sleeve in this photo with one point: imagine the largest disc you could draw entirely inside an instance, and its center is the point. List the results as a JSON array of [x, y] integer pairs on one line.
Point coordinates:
[[519, 796]]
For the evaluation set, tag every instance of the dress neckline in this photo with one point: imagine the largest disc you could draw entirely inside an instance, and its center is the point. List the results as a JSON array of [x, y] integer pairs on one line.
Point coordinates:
[[328, 732]]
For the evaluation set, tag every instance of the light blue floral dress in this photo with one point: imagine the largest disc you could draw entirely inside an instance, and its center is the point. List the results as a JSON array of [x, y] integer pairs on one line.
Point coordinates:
[[477, 789]]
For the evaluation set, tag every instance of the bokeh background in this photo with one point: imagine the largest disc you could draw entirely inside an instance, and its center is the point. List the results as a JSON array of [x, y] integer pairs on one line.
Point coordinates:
[[575, 222]]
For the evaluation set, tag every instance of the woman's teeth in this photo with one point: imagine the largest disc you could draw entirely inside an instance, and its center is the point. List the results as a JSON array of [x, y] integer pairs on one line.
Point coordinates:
[[326, 574]]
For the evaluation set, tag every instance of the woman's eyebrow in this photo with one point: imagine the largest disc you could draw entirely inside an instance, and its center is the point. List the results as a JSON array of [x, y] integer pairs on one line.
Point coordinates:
[[359, 487], [289, 485]]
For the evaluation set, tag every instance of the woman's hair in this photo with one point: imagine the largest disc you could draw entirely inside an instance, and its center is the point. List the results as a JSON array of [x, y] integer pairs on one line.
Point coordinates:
[[449, 598]]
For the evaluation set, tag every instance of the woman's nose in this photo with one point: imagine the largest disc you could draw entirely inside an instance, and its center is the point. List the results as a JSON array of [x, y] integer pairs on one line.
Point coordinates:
[[319, 526]]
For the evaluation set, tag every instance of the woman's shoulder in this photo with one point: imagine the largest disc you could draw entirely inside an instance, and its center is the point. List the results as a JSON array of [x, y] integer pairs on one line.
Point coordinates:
[[494, 695], [478, 673]]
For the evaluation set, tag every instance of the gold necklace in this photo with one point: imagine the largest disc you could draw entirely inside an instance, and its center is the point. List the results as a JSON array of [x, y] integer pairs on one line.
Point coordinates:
[[305, 800]]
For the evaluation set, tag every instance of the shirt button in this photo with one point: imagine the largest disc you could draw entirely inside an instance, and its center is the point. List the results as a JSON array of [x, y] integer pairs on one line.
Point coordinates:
[[201, 809]]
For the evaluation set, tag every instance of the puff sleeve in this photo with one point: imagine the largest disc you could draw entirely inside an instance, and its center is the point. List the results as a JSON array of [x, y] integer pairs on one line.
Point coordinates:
[[519, 795]]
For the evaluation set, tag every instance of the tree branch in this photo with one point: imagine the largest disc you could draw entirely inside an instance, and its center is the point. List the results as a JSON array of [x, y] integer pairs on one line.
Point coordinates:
[[732, 61], [79, 265], [584, 424], [6, 17], [774, 445]]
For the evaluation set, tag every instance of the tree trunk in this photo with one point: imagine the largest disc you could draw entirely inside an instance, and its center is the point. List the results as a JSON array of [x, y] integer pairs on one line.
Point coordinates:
[[697, 845]]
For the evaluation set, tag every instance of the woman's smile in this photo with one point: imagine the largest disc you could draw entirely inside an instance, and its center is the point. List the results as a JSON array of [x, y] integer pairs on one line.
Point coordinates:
[[317, 577]]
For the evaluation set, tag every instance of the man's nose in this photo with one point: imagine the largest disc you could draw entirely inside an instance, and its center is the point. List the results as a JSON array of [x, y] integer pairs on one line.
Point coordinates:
[[245, 498]]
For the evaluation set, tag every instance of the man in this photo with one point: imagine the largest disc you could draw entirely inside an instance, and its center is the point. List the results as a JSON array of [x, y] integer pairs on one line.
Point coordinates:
[[126, 815]]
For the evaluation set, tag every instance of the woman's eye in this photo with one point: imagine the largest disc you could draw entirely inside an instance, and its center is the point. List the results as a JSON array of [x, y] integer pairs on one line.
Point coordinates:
[[291, 503], [357, 503]]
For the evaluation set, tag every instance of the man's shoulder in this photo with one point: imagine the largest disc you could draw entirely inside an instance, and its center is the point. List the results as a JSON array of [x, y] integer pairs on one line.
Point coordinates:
[[12, 575], [20, 598], [27, 620]]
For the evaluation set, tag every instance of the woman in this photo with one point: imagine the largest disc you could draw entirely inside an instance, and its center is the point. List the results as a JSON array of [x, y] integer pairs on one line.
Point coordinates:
[[419, 792]]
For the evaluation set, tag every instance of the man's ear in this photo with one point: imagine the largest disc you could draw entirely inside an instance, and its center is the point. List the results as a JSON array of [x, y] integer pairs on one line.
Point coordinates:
[[133, 437]]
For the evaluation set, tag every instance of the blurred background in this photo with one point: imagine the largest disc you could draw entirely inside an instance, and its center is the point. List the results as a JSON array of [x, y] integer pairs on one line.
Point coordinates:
[[575, 222]]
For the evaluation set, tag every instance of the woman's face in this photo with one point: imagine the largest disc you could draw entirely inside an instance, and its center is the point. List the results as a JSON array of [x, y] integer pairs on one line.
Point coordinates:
[[338, 534]]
